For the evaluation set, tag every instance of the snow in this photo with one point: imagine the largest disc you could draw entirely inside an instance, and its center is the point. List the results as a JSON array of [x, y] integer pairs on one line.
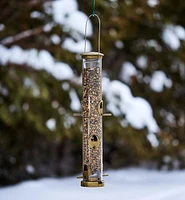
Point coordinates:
[[37, 60], [119, 44], [127, 71], [76, 21], [17, 55], [66, 13], [154, 44], [142, 61], [171, 38], [51, 124], [167, 159], [76, 47], [3, 90], [62, 71], [36, 14], [159, 80], [61, 9], [157, 16], [179, 66], [139, 114], [12, 108], [68, 120], [172, 34], [2, 27], [168, 117], [180, 31], [153, 139], [171, 119], [72, 21], [48, 27], [55, 104], [153, 3], [44, 60], [30, 169], [29, 83], [61, 111], [75, 102], [137, 111], [65, 86], [55, 39], [129, 184]]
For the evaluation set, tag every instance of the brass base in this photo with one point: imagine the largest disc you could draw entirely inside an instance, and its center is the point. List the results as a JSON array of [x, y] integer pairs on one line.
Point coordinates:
[[92, 183]]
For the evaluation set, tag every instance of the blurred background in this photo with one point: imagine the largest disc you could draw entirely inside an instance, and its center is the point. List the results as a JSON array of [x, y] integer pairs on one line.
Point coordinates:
[[40, 85]]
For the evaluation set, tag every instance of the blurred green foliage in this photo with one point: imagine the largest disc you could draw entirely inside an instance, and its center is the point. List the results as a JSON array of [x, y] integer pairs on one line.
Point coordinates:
[[25, 139]]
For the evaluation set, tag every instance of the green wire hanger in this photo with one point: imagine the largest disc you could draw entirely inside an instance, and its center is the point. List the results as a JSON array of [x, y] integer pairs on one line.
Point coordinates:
[[93, 6]]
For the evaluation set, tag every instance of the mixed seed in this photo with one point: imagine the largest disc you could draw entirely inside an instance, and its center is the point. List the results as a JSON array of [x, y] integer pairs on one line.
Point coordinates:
[[92, 120]]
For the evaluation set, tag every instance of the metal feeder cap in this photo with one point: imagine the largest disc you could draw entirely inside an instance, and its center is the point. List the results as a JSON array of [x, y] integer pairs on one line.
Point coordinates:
[[88, 55]]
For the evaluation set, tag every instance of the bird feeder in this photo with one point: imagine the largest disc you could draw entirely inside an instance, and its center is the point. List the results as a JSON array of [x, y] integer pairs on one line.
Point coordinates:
[[92, 113]]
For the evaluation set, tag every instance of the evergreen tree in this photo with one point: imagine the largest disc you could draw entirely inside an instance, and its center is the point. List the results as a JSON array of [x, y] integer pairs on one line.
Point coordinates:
[[38, 134]]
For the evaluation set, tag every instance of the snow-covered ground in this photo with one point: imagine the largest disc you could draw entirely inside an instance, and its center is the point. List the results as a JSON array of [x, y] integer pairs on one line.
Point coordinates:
[[127, 184]]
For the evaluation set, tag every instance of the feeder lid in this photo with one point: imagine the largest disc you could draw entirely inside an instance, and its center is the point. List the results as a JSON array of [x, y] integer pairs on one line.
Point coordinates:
[[92, 55]]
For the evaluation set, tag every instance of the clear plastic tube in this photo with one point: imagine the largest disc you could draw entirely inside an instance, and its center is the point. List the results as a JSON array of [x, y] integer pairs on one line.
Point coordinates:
[[92, 111]]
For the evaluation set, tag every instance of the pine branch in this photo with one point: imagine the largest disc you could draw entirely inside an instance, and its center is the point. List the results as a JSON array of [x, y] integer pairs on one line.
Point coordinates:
[[25, 34]]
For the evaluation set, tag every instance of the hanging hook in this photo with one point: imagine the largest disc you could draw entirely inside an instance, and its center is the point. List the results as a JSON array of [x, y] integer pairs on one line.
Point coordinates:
[[99, 25]]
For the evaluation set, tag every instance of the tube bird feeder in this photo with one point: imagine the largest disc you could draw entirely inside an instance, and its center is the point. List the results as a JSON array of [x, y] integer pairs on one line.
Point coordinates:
[[92, 113]]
